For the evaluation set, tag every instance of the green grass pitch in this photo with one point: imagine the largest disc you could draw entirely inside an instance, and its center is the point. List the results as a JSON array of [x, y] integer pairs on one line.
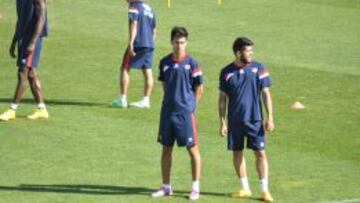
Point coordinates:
[[88, 152]]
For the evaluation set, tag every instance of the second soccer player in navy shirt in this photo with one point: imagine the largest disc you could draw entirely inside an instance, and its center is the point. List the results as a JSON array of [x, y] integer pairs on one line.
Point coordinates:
[[242, 83], [182, 82]]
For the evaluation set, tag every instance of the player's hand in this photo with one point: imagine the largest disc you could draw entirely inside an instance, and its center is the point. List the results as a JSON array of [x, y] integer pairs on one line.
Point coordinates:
[[269, 125], [131, 51], [12, 50], [30, 48], [223, 130]]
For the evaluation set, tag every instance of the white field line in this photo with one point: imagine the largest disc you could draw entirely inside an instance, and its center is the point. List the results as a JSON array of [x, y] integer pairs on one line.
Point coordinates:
[[343, 201]]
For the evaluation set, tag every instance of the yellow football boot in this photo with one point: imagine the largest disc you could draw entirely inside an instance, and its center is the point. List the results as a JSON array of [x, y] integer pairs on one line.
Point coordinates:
[[40, 113], [240, 193], [266, 197], [9, 114]]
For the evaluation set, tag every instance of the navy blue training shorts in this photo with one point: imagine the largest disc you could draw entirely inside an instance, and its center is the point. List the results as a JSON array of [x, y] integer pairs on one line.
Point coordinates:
[[177, 126], [252, 131], [142, 60], [25, 59]]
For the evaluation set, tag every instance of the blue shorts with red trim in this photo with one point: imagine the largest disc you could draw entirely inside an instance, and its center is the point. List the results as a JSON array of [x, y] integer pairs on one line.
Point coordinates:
[[26, 59], [142, 60], [252, 131], [177, 126]]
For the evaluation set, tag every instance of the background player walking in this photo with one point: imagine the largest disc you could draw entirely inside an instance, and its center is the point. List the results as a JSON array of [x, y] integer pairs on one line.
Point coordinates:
[[139, 53], [31, 27]]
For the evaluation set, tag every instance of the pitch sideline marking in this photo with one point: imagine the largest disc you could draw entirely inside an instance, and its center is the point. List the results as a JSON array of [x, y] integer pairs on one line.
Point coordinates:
[[343, 201]]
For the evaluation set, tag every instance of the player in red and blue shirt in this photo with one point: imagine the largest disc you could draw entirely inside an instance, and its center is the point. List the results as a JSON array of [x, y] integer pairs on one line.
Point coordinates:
[[143, 14], [244, 85], [139, 52], [182, 82], [31, 27], [180, 78]]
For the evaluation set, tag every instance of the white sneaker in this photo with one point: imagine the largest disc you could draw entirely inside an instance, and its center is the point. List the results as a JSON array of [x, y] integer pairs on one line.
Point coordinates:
[[140, 104], [194, 195], [116, 103], [162, 192]]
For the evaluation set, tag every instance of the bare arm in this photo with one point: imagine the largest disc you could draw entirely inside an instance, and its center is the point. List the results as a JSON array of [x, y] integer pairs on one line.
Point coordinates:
[[40, 22], [163, 86], [158, 135], [154, 34], [222, 113], [269, 121], [199, 90], [13, 42], [132, 36]]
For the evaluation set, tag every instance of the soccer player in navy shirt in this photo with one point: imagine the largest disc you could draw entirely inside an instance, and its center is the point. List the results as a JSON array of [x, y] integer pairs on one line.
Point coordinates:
[[139, 53], [242, 84], [182, 82], [31, 27]]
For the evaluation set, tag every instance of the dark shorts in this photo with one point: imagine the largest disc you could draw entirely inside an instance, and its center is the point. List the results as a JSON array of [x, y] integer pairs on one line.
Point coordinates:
[[142, 60], [25, 59], [177, 126], [253, 131]]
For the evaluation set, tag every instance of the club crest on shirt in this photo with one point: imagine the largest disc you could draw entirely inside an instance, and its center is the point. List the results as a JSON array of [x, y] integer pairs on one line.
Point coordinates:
[[176, 65], [187, 67], [254, 70]]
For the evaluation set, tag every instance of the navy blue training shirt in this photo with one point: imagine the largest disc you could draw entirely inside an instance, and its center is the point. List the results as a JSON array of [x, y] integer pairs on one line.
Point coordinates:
[[180, 77], [243, 87], [144, 15], [26, 19]]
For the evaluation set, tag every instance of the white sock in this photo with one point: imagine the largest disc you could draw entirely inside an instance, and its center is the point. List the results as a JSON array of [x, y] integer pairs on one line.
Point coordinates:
[[264, 185], [167, 186], [13, 106], [195, 185], [122, 98], [41, 105], [244, 183], [146, 99]]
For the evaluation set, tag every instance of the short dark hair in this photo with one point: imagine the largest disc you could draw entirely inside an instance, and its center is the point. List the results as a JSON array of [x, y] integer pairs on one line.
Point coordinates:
[[240, 43], [177, 32]]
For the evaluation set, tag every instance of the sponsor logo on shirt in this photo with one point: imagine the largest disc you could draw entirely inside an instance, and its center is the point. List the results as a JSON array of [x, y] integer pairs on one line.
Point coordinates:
[[166, 68], [241, 71]]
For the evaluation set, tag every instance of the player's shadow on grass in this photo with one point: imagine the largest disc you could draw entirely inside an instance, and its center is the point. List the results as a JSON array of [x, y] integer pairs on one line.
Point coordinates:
[[95, 190], [80, 189], [56, 102]]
